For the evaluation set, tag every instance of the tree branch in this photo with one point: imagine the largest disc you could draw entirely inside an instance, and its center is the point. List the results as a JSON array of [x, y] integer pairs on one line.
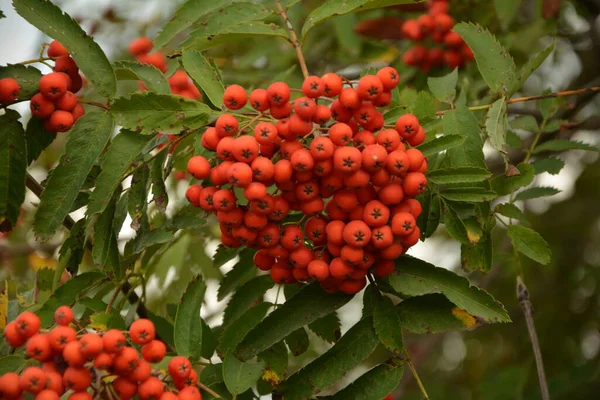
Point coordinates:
[[293, 38]]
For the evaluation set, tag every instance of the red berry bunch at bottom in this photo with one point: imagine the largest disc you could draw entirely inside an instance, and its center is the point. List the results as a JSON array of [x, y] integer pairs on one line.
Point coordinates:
[[107, 362], [438, 44], [57, 103], [353, 180]]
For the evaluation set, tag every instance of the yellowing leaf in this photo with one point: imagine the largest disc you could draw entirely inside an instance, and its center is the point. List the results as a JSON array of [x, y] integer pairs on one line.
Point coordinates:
[[467, 319], [271, 377], [36, 262]]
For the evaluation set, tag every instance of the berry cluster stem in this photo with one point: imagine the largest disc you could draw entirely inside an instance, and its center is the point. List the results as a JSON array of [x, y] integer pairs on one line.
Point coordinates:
[[293, 38], [36, 60], [94, 103], [416, 376]]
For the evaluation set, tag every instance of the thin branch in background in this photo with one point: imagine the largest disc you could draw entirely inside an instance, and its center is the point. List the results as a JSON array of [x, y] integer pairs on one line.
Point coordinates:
[[523, 297], [412, 368], [293, 38], [208, 390]]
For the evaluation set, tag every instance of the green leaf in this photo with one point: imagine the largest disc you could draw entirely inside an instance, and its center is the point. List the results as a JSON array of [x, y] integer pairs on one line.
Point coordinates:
[[455, 225], [185, 16], [506, 10], [332, 8], [220, 20], [388, 325], [84, 144], [67, 293], [536, 192], [496, 125], [188, 325], [310, 304], [297, 341], [534, 63], [327, 328], [166, 330], [151, 113], [525, 122], [37, 139], [461, 121], [477, 256], [234, 34], [240, 376], [444, 87], [89, 57], [470, 195], [276, 361], [13, 165], [495, 64], [458, 175], [242, 272], [71, 251], [414, 277], [27, 77], [205, 76], [11, 364], [209, 341], [511, 211], [151, 76], [245, 297], [107, 320], [121, 153], [43, 279], [224, 254], [434, 313], [159, 189], [234, 333], [137, 207], [440, 144], [563, 145], [356, 345], [513, 140], [504, 185], [429, 219], [550, 165], [424, 106], [105, 252], [530, 243], [374, 384]]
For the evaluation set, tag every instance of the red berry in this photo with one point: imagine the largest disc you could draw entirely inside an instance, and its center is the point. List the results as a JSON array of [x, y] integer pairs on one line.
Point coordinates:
[[9, 90]]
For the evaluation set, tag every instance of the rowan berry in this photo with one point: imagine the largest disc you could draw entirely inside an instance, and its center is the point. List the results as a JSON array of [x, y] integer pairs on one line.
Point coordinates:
[[239, 174], [347, 159], [103, 361], [340, 269], [332, 84], [453, 58], [138, 46], [9, 386], [38, 347], [77, 379], [55, 49], [357, 233], [235, 97], [318, 270], [397, 163], [414, 184], [189, 393], [210, 139], [40, 106], [141, 373], [389, 78], [47, 394], [60, 121], [350, 98], [124, 388], [13, 336], [383, 268], [66, 64], [54, 85], [114, 341], [199, 167], [245, 149], [67, 102], [151, 389], [72, 354], [9, 90], [259, 100], [299, 127], [265, 132], [363, 139], [392, 252], [352, 286], [322, 114], [412, 238], [369, 87], [155, 59], [192, 194], [32, 380], [179, 367], [280, 111], [279, 93], [339, 112], [389, 139], [91, 345], [225, 149], [28, 324], [80, 396], [226, 125]]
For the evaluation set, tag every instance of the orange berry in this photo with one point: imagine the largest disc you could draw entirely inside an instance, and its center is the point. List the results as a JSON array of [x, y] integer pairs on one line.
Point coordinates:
[[282, 273], [369, 87], [56, 50], [192, 194], [259, 100], [313, 86], [265, 132], [199, 167], [142, 372], [91, 345], [322, 114], [226, 125], [414, 184], [126, 360], [280, 111], [357, 233], [32, 380], [80, 396], [54, 85], [347, 159], [397, 163], [179, 367], [305, 108], [124, 388], [340, 134], [55, 382], [350, 98], [60, 121], [139, 46], [332, 84], [169, 396], [255, 191], [13, 335], [77, 112], [155, 59], [389, 138], [40, 106], [9, 386], [47, 395], [374, 157], [9, 90], [63, 314], [353, 286], [66, 64], [114, 340], [28, 324], [235, 97], [38, 347], [245, 149], [376, 213], [418, 138], [299, 127], [318, 270], [77, 379], [239, 174], [407, 125], [189, 393], [389, 78], [391, 193], [279, 93], [151, 389], [403, 223], [103, 361], [384, 268]]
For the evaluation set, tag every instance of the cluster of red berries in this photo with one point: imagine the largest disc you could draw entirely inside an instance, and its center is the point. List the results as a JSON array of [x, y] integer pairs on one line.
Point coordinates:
[[80, 361], [56, 103], [353, 179], [435, 25], [179, 82]]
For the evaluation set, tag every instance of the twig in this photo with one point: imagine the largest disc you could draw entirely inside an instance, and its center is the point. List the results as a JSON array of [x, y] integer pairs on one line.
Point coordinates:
[[416, 376], [523, 297], [36, 60], [293, 38], [113, 298], [209, 390], [595, 89], [94, 103]]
